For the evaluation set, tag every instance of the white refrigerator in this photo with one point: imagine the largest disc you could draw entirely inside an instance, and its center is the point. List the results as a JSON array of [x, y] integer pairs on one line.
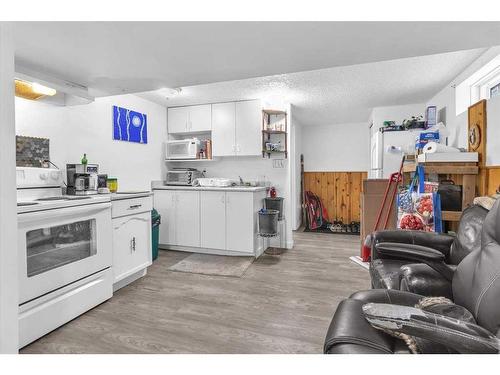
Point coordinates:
[[387, 150]]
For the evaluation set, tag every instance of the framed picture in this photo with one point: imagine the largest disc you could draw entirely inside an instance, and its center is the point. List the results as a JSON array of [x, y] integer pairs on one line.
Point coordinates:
[[130, 126]]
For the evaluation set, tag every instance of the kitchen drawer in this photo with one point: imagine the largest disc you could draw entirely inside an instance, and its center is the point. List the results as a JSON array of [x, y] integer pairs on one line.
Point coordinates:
[[131, 206]]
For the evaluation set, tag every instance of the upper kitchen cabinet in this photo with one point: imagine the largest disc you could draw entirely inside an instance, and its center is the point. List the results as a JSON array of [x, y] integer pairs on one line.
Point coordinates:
[[190, 119], [224, 129], [248, 130], [236, 128]]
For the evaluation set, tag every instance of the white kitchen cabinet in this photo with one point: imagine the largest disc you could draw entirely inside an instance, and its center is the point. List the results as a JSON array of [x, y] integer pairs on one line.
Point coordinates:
[[187, 216], [240, 216], [248, 128], [189, 119], [180, 217], [131, 244], [224, 129], [213, 217], [210, 221], [131, 219], [236, 128], [177, 119], [200, 118]]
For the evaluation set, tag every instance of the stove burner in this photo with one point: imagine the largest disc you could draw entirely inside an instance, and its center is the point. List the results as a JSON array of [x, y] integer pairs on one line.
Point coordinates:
[[21, 204]]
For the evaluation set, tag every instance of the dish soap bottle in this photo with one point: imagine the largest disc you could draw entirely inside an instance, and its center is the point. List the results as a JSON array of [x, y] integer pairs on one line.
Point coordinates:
[[84, 159]]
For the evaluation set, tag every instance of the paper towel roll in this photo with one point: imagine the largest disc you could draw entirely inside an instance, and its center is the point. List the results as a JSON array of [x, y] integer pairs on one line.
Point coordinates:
[[434, 147]]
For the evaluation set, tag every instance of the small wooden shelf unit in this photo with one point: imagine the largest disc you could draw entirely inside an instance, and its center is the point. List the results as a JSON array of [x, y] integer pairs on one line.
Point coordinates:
[[464, 174], [266, 133]]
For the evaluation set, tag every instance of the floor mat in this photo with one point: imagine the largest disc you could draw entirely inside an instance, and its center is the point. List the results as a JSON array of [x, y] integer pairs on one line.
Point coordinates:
[[218, 265]]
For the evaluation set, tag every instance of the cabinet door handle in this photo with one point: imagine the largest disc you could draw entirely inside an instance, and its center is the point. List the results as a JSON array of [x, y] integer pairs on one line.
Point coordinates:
[[134, 207], [238, 149], [131, 246], [133, 243]]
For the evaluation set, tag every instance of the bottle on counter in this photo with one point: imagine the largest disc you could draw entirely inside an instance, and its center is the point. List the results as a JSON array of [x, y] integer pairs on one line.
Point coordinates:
[[272, 192], [84, 159]]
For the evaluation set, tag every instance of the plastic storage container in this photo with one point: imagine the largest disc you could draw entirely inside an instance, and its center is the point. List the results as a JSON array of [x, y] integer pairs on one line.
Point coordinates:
[[275, 204], [268, 222], [155, 232]]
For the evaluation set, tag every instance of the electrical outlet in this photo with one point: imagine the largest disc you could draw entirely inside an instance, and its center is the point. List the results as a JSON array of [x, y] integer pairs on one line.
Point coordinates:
[[278, 163]]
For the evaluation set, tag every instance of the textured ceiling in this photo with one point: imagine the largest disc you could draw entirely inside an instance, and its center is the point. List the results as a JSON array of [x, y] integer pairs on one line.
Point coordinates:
[[118, 57], [338, 95]]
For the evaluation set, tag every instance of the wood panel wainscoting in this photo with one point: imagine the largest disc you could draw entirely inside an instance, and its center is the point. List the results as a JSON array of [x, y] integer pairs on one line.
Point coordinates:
[[492, 180], [340, 193]]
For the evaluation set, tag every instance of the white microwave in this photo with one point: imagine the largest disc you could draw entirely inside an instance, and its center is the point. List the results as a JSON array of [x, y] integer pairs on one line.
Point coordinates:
[[183, 149]]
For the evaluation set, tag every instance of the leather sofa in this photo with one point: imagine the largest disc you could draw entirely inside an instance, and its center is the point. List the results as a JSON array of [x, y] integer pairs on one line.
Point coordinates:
[[475, 290], [401, 268]]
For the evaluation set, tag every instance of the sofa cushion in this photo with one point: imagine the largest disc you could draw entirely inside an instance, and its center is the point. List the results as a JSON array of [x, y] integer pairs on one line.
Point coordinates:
[[422, 279]]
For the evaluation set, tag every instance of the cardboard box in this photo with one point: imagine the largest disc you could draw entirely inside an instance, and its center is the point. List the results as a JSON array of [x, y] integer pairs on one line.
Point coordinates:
[[371, 200]]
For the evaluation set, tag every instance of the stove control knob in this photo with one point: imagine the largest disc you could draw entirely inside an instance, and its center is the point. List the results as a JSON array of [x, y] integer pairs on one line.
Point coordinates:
[[55, 175], [44, 176]]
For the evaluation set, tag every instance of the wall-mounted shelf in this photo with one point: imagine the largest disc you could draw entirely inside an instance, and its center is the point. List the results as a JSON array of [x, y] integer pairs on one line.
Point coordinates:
[[274, 123]]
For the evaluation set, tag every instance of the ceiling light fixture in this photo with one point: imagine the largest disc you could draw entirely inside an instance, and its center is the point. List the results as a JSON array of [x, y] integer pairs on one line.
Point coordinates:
[[168, 92], [32, 90], [44, 90]]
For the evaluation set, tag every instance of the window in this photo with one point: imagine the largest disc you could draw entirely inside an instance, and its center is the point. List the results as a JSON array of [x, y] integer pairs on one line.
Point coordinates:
[[483, 84], [495, 90]]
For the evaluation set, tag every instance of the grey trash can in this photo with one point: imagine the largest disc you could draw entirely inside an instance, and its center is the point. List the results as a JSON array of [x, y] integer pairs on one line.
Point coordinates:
[[268, 222], [275, 204]]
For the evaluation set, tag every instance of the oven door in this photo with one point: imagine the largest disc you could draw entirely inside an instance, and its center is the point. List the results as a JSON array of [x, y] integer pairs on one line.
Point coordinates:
[[60, 246]]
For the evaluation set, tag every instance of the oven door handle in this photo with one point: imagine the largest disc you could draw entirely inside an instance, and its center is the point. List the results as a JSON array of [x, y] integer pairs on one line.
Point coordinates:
[[73, 211]]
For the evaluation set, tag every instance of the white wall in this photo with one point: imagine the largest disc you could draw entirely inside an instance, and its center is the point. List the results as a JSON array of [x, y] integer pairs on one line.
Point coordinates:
[[8, 223], [88, 129], [445, 102], [336, 148]]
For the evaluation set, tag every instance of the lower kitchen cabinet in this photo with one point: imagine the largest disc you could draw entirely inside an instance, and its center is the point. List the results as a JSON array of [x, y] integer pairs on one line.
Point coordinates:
[[240, 222], [210, 221], [187, 215], [212, 217], [180, 212], [132, 252], [131, 244]]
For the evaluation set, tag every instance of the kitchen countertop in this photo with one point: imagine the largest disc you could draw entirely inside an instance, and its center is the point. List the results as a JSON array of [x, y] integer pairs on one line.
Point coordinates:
[[138, 194], [251, 189]]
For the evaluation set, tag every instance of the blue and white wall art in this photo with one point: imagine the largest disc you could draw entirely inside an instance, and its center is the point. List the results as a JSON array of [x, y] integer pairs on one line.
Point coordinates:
[[129, 125]]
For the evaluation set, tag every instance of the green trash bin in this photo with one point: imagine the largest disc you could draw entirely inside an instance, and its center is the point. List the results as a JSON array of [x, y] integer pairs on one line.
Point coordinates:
[[155, 232]]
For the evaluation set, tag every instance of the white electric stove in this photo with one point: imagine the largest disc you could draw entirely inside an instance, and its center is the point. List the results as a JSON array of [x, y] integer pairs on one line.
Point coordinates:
[[65, 252]]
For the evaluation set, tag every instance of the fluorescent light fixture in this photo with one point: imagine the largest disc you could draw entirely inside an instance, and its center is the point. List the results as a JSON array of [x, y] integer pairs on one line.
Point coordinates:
[[43, 90]]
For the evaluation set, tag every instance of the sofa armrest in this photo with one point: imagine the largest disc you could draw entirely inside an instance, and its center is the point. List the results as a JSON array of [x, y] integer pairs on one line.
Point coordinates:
[[438, 241], [416, 253], [409, 251], [422, 279], [464, 337]]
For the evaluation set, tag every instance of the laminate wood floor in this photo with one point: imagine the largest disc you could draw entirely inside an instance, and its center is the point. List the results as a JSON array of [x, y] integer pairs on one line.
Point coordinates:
[[282, 304]]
